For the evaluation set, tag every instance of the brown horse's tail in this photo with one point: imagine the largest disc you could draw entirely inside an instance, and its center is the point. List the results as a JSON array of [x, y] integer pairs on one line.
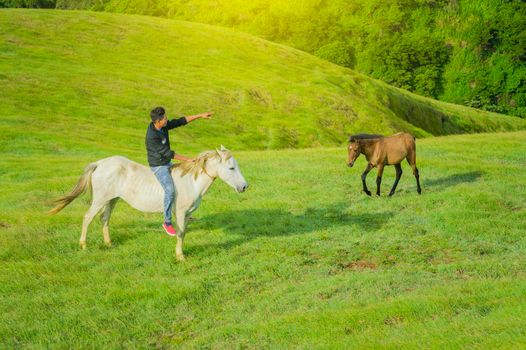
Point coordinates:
[[81, 186]]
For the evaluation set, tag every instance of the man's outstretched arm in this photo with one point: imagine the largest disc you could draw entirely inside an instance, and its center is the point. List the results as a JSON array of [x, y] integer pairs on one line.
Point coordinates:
[[205, 115]]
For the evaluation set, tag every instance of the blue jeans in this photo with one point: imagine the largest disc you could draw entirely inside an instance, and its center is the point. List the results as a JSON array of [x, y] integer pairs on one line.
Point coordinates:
[[162, 173]]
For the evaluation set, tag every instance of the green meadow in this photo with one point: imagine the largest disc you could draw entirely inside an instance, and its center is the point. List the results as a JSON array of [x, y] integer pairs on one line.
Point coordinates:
[[303, 259]]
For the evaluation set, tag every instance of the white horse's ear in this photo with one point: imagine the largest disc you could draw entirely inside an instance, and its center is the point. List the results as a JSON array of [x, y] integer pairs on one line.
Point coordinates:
[[223, 148], [222, 154]]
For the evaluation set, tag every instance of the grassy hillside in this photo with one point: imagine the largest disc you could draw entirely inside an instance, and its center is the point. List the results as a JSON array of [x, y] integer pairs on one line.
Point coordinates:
[[93, 77], [295, 262], [470, 52]]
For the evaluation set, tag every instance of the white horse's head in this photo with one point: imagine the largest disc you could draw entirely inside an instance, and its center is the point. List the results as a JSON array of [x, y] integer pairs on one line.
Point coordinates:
[[228, 170]]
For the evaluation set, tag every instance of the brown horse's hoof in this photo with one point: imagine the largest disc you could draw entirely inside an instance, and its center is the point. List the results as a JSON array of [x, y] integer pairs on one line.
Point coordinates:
[[368, 193]]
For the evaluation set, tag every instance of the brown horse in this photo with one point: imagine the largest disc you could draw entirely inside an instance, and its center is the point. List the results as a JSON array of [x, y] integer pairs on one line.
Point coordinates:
[[381, 151]]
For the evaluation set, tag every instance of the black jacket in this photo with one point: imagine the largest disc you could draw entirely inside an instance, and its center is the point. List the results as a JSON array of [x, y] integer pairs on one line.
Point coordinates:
[[158, 142]]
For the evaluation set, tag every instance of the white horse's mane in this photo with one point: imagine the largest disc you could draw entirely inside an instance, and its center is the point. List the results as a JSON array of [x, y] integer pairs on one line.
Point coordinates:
[[197, 166]]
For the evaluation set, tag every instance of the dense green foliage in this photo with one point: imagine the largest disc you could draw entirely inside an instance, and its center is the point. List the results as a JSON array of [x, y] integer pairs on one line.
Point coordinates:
[[28, 3], [469, 52]]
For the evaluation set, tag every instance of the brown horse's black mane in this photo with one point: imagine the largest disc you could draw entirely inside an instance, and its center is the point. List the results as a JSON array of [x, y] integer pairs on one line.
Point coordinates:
[[357, 137]]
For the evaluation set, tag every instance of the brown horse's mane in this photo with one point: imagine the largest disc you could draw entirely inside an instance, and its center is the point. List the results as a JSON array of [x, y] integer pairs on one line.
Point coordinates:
[[367, 137]]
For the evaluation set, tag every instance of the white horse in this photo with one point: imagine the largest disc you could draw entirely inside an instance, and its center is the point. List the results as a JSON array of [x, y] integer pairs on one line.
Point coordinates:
[[118, 177]]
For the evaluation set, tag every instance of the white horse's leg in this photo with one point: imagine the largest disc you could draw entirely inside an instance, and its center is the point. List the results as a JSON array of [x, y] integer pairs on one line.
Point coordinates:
[[92, 211], [106, 214], [181, 226]]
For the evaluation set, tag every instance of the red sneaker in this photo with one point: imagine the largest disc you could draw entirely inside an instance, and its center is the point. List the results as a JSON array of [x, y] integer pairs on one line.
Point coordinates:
[[169, 229]]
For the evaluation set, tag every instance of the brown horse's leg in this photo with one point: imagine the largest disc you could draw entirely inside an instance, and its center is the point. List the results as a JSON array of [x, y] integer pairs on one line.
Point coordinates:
[[411, 159], [364, 176], [379, 178], [417, 176], [398, 168]]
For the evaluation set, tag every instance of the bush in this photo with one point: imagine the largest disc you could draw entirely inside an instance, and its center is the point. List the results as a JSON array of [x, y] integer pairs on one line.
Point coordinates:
[[78, 4], [338, 52], [28, 3], [415, 64]]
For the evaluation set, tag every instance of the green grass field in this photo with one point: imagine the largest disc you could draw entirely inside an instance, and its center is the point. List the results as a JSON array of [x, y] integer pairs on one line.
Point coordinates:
[[303, 259]]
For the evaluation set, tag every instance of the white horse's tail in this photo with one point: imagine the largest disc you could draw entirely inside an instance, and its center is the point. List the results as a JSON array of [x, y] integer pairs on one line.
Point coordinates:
[[81, 186]]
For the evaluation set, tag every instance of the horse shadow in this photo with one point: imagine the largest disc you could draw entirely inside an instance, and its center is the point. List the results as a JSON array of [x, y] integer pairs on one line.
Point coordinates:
[[453, 179], [250, 224]]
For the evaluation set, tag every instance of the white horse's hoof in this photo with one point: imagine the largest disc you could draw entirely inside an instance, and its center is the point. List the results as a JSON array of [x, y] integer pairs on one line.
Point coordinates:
[[107, 244], [180, 258], [82, 245]]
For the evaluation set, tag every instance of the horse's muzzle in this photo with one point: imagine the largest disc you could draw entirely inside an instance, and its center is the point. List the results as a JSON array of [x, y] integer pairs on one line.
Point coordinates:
[[242, 188], [350, 164]]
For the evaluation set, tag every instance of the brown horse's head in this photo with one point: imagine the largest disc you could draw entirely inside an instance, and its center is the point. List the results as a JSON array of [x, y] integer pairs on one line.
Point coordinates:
[[354, 151]]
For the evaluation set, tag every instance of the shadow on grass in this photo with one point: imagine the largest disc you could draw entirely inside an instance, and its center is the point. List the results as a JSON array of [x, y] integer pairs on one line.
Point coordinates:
[[120, 235], [250, 224], [453, 180]]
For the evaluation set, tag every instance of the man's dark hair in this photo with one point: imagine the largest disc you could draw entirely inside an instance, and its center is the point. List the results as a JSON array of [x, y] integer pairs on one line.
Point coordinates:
[[157, 113]]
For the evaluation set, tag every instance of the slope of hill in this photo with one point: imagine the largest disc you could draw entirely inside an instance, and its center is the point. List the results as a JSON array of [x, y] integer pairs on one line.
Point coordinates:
[[93, 77], [469, 52]]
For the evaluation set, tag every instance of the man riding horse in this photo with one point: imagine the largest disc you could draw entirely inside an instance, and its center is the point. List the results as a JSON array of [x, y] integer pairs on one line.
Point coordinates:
[[160, 156]]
